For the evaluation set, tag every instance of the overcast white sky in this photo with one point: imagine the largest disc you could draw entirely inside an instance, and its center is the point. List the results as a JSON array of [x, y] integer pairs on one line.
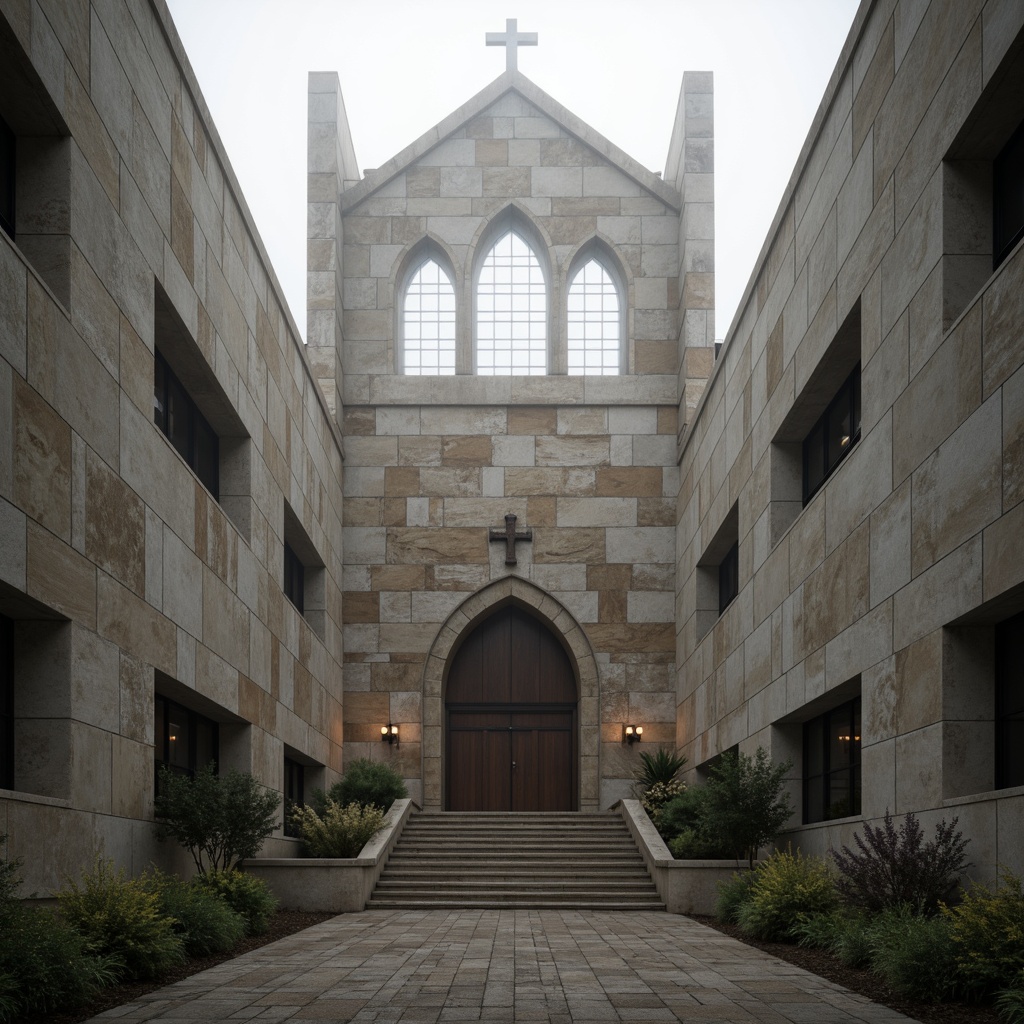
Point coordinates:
[[406, 64]]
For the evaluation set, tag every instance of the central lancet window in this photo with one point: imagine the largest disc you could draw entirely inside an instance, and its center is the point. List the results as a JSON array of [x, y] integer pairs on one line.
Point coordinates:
[[511, 310], [594, 323], [428, 321]]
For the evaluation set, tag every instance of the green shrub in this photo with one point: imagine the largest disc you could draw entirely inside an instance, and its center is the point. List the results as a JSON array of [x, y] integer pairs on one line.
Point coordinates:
[[365, 782], [899, 869], [204, 921], [912, 954], [658, 795], [732, 894], [219, 819], [121, 917], [341, 831], [845, 935], [786, 888], [246, 895], [1010, 1001], [987, 933], [45, 964], [742, 806]]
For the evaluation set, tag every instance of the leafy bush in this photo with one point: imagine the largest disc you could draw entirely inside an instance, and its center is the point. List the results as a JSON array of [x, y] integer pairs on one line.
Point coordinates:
[[219, 819], [203, 921], [732, 894], [841, 933], [896, 869], [987, 933], [121, 917], [660, 767], [1010, 1001], [784, 889], [912, 953], [342, 831], [655, 798], [365, 782], [744, 805], [246, 895], [45, 964]]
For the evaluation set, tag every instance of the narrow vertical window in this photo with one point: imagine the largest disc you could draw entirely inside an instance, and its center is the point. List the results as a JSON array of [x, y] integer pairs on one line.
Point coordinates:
[[594, 322], [294, 793], [511, 309], [7, 173], [6, 703], [428, 322], [832, 780], [1008, 197], [184, 740], [1010, 702], [294, 578]]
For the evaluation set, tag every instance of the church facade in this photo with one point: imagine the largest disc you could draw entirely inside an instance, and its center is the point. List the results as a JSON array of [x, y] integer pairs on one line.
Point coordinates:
[[510, 500]]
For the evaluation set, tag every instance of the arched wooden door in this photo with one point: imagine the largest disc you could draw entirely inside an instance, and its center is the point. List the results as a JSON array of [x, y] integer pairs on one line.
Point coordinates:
[[511, 719]]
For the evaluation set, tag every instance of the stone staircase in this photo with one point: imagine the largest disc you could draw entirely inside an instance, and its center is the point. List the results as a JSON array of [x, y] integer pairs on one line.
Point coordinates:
[[494, 860]]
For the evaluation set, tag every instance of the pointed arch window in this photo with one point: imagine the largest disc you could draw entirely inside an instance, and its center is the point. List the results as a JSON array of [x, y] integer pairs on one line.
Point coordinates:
[[594, 322], [428, 321], [511, 310]]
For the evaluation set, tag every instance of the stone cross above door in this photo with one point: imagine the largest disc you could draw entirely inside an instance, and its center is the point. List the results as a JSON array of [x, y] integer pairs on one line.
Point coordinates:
[[511, 39], [510, 535]]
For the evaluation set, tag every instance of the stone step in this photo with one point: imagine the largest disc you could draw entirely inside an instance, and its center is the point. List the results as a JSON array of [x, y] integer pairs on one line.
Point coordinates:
[[495, 860]]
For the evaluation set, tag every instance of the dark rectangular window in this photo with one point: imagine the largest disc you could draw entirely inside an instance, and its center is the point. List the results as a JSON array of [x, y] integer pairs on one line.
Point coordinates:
[[1008, 197], [832, 764], [184, 740], [294, 578], [1010, 702], [832, 437], [6, 703], [729, 578], [294, 793], [7, 172], [186, 428]]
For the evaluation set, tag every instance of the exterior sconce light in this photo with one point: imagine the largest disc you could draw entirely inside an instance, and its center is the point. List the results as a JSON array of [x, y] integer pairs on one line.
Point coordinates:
[[389, 734], [632, 733]]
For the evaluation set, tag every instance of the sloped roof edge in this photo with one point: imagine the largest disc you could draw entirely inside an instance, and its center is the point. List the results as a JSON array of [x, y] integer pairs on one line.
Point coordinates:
[[511, 81]]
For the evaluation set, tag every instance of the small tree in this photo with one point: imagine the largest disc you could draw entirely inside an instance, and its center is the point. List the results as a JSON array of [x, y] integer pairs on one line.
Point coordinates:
[[742, 806], [219, 819], [373, 783]]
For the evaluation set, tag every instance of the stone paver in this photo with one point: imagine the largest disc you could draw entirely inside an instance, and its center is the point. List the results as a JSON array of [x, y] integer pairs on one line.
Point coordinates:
[[506, 965]]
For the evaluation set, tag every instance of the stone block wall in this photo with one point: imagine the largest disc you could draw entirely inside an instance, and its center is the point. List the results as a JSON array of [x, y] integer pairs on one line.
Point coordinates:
[[887, 583], [120, 572], [432, 463]]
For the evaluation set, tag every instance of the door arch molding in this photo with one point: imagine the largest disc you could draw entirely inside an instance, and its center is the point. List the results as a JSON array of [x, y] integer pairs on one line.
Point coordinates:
[[459, 624]]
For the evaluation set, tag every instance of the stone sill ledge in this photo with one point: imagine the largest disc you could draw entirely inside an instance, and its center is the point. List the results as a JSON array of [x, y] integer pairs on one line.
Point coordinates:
[[976, 798], [15, 795]]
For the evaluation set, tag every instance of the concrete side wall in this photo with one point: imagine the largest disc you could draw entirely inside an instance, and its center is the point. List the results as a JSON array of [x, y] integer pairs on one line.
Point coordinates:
[[887, 583], [121, 572]]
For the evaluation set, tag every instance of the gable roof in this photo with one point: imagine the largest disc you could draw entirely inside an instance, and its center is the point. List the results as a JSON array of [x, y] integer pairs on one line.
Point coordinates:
[[511, 81]]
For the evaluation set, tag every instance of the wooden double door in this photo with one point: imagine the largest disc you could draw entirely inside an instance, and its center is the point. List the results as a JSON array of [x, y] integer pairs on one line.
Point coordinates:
[[511, 719]]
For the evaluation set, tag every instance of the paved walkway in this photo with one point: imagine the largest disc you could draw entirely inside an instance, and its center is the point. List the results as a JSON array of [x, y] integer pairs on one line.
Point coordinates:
[[509, 965]]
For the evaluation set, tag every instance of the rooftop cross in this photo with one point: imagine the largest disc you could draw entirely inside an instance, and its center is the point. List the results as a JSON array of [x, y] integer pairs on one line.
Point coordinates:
[[511, 40]]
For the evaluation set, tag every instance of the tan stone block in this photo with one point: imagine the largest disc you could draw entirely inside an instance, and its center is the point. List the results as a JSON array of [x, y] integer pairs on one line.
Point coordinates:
[[115, 530], [532, 419], [612, 606], [1004, 567], [225, 622], [597, 512], [572, 451], [397, 577], [529, 481], [60, 577], [419, 451], [458, 577], [394, 512], [642, 481], [656, 512], [570, 230], [491, 152], [131, 783], [506, 182], [367, 231], [585, 420], [360, 606], [918, 700], [609, 577], [406, 230], [489, 512], [362, 512], [134, 626], [632, 637], [474, 450], [42, 461], [450, 482], [656, 357], [136, 700], [422, 182], [451, 420], [1004, 313], [401, 481], [437, 547], [541, 511], [569, 545], [958, 490], [668, 420]]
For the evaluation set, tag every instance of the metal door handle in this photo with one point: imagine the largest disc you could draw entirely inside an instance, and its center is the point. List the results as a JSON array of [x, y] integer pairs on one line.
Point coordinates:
[[513, 764]]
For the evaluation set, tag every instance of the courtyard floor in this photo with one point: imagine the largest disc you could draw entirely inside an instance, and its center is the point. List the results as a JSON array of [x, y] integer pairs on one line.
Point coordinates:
[[509, 965]]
